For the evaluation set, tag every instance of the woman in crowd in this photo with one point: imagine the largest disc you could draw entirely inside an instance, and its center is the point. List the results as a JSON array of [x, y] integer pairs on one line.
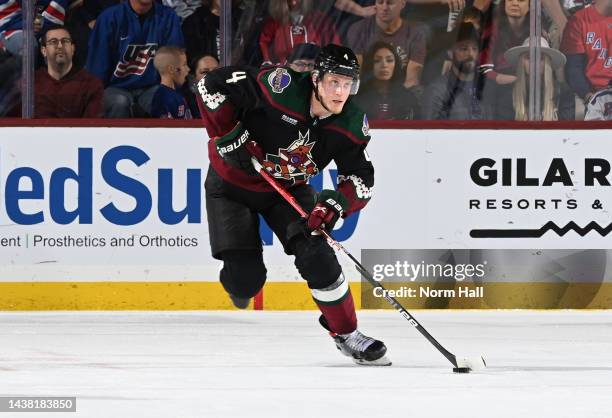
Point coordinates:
[[552, 59], [382, 95], [510, 27]]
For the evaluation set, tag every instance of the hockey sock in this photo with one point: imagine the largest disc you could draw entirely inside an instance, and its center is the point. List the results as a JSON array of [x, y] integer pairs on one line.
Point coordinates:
[[337, 306]]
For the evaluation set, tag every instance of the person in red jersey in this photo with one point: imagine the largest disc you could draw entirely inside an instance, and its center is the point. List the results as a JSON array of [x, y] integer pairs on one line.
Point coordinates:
[[587, 40]]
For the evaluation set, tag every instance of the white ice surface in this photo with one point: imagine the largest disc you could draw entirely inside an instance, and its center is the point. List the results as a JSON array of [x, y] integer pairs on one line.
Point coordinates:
[[281, 364]]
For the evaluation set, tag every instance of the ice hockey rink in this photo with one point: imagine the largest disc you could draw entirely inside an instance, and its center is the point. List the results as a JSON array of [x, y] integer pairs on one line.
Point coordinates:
[[281, 364]]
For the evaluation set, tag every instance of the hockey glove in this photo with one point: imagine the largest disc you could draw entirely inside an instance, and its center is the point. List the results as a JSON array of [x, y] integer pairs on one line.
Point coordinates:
[[232, 141], [237, 147], [329, 207]]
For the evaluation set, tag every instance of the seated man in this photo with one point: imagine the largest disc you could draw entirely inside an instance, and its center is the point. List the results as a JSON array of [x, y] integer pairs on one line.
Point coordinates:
[[171, 62], [388, 26], [62, 90], [586, 44], [121, 50], [458, 94]]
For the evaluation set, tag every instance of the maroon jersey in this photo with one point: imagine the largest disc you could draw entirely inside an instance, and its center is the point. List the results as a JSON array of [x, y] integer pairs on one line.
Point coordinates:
[[590, 33]]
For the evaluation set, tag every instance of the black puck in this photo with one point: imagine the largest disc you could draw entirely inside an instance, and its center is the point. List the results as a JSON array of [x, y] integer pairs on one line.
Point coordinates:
[[461, 370]]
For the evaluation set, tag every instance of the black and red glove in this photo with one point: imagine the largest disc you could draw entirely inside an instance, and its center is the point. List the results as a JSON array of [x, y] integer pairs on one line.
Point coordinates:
[[330, 206]]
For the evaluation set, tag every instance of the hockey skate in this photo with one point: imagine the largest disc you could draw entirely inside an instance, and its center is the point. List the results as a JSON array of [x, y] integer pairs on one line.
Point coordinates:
[[364, 350]]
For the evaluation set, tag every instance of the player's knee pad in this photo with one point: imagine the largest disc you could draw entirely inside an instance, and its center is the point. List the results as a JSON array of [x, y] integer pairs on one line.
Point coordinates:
[[243, 273], [316, 261]]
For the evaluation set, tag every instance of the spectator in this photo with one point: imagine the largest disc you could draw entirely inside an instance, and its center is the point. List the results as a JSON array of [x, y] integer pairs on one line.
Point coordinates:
[[458, 95], [203, 66], [202, 29], [121, 48], [168, 103], [293, 22], [509, 28], [600, 105], [552, 59], [383, 95], [48, 13], [199, 67], [81, 20], [387, 25], [302, 57], [63, 90], [183, 8], [470, 15], [586, 43], [10, 70]]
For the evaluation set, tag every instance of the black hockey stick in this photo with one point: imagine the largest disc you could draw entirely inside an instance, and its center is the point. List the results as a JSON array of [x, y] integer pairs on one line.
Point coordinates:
[[461, 365]]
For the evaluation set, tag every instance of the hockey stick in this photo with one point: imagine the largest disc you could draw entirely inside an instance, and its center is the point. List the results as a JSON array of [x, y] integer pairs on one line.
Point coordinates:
[[461, 364]]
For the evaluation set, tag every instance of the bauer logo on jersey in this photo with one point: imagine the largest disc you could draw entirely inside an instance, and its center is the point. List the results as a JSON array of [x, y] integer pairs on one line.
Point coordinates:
[[279, 80], [135, 60], [294, 163]]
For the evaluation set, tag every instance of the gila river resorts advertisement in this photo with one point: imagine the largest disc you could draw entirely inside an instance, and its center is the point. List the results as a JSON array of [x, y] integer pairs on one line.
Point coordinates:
[[114, 218]]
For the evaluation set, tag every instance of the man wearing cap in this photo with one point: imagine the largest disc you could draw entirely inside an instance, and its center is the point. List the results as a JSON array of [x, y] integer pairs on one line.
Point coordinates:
[[457, 95]]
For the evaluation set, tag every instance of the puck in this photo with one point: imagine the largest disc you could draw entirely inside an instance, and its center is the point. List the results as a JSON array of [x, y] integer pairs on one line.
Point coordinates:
[[461, 370]]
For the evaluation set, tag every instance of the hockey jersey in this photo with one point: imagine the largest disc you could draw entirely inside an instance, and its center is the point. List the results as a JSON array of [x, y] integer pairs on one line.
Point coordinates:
[[600, 106], [590, 33], [274, 105], [122, 45], [53, 12]]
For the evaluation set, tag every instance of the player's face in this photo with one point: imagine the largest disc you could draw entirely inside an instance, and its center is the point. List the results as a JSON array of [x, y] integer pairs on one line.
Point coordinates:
[[465, 54], [334, 91], [517, 8], [181, 71], [204, 66], [389, 10], [59, 48], [384, 64]]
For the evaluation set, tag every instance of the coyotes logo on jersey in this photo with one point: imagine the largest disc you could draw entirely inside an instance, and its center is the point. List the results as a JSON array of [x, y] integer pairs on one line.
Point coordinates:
[[294, 163]]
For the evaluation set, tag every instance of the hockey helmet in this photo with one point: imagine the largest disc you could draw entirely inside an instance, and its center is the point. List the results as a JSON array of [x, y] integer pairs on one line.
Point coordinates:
[[336, 59]]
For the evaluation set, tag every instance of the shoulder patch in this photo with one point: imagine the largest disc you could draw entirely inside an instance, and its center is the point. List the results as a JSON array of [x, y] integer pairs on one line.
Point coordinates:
[[279, 79], [365, 128]]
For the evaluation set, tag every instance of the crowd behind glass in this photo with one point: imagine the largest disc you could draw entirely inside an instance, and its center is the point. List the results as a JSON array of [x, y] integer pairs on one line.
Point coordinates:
[[420, 59]]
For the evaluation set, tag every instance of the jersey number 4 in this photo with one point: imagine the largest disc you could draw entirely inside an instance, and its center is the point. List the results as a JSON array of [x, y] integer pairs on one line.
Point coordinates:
[[236, 77]]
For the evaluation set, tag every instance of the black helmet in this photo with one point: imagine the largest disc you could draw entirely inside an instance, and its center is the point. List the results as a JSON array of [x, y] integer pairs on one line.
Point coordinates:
[[336, 59]]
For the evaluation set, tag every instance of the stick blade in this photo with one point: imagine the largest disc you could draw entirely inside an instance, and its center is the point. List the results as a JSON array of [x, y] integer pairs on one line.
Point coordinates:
[[467, 365]]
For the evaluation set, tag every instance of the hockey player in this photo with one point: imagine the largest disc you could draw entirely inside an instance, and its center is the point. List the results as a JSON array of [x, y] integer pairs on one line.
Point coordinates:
[[295, 124]]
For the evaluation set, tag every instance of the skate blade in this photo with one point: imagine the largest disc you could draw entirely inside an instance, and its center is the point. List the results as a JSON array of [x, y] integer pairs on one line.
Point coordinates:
[[383, 361]]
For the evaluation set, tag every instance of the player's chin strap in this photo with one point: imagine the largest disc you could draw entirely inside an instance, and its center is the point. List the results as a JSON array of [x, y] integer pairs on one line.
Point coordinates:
[[463, 365]]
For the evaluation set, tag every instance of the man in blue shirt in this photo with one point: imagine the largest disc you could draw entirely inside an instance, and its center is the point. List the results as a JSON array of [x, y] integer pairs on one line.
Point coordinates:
[[121, 50]]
